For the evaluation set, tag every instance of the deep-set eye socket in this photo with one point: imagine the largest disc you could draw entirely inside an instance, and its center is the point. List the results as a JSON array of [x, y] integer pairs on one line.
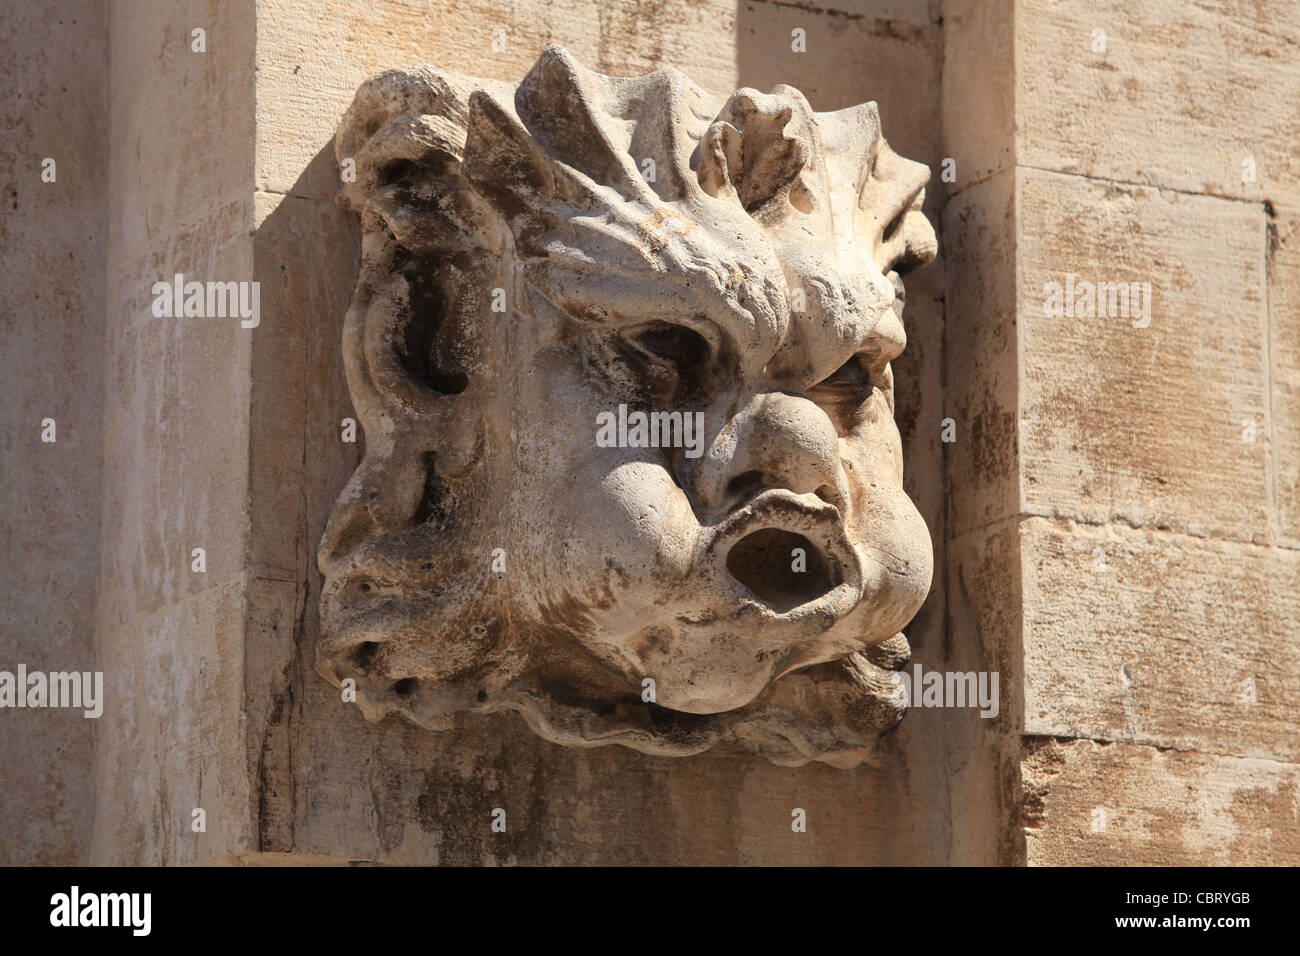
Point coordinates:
[[672, 359], [681, 347]]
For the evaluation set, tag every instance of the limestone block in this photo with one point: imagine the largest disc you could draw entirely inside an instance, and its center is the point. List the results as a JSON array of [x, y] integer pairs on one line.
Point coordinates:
[[179, 147], [176, 427], [979, 87], [171, 737], [394, 793], [1182, 95], [1094, 804], [984, 634], [1143, 425], [52, 250], [919, 410], [306, 255], [1155, 638]]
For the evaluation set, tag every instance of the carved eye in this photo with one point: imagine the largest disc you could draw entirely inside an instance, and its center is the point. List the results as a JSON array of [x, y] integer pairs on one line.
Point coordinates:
[[670, 359], [677, 345], [396, 171], [849, 380]]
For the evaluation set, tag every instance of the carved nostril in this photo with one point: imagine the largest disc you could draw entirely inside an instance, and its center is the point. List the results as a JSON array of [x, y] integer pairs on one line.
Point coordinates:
[[776, 440], [406, 687], [828, 494], [744, 485]]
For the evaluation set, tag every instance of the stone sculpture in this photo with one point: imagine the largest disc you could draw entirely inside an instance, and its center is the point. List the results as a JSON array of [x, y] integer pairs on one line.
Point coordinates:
[[621, 352]]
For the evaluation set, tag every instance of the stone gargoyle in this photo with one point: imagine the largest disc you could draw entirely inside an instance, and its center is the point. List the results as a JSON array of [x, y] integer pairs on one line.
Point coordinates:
[[621, 353]]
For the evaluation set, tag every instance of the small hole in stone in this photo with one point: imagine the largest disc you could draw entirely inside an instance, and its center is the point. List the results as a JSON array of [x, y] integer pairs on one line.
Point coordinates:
[[406, 687], [482, 696], [361, 591], [365, 654]]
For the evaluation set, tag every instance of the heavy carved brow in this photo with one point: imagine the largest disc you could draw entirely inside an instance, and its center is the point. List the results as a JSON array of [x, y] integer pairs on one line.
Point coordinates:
[[749, 310]]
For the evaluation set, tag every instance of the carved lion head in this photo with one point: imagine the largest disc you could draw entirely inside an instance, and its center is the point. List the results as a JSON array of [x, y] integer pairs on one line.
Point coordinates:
[[621, 354]]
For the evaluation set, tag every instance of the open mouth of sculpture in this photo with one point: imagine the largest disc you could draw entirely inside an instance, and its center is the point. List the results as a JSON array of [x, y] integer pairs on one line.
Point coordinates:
[[785, 551], [782, 568]]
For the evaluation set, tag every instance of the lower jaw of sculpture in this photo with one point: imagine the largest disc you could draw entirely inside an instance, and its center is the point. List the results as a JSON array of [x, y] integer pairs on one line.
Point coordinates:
[[835, 712]]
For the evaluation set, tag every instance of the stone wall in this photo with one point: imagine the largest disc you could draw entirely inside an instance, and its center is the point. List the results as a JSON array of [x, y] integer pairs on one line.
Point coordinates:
[[176, 427], [52, 247], [1122, 513]]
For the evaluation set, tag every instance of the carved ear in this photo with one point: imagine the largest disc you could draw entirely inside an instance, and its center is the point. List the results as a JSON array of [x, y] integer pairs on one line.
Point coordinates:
[[425, 232], [503, 162], [404, 136], [851, 138], [756, 151], [560, 102], [562, 162]]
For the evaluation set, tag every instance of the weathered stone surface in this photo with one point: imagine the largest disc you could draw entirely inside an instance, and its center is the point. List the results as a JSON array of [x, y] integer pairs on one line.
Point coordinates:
[[175, 438], [1093, 804], [52, 256], [984, 634], [979, 88], [1119, 422], [168, 380], [1283, 432], [1156, 638], [910, 11], [1181, 96], [393, 792], [180, 146], [981, 354], [299, 393], [174, 692]]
